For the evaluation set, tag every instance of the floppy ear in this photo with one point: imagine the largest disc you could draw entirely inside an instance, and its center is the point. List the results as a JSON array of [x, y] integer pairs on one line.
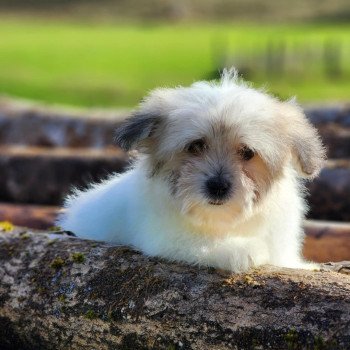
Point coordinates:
[[135, 129], [307, 149]]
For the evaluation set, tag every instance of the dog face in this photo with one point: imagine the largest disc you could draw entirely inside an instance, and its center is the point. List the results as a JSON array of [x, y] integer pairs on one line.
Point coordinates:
[[221, 148]]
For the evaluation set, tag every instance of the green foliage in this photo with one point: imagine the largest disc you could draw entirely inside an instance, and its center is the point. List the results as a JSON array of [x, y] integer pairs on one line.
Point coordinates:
[[90, 314], [62, 298], [115, 65], [6, 226], [54, 228], [292, 339], [57, 263], [25, 235], [78, 258]]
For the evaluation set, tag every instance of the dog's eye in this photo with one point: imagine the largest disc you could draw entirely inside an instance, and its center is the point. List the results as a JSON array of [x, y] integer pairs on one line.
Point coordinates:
[[246, 153], [197, 146]]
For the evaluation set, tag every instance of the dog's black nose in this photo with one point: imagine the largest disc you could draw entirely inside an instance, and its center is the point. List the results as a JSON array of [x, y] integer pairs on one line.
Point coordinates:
[[218, 187]]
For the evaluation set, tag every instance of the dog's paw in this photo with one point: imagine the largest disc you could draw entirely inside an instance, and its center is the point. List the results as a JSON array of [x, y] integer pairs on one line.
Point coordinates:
[[305, 265], [244, 259], [241, 262], [310, 266]]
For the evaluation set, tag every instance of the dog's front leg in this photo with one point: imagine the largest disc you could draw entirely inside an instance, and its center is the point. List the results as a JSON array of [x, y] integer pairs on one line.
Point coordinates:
[[236, 254]]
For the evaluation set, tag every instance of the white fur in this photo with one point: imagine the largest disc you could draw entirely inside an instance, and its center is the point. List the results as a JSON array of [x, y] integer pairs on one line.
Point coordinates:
[[141, 211]]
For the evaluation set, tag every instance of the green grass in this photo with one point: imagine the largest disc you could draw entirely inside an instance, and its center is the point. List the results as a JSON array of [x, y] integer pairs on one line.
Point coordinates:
[[115, 65]]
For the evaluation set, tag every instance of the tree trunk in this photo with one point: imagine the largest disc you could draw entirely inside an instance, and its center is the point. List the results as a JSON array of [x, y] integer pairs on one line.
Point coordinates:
[[60, 292]]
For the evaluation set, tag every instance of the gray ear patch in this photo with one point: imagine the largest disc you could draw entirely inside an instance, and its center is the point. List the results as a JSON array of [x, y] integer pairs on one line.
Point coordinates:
[[135, 129]]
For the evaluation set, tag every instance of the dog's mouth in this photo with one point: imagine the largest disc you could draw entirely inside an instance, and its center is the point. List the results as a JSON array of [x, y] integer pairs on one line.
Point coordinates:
[[216, 202]]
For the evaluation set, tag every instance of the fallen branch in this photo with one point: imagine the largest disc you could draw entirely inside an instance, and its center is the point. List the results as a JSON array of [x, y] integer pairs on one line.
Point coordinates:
[[58, 292]]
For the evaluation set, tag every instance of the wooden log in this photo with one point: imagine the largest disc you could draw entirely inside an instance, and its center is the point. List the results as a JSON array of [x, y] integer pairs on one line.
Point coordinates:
[[27, 177], [24, 123], [337, 140], [330, 192], [29, 124], [329, 114], [40, 217], [58, 292], [333, 123], [325, 241], [44, 176]]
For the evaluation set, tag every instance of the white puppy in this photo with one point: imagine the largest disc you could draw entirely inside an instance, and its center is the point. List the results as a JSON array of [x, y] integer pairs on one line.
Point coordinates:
[[217, 183]]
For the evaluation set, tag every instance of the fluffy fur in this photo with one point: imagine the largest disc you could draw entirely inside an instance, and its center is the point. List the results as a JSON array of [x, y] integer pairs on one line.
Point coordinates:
[[217, 182]]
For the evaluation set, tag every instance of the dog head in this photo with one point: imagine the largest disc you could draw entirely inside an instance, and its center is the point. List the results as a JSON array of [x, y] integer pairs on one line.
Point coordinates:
[[221, 147]]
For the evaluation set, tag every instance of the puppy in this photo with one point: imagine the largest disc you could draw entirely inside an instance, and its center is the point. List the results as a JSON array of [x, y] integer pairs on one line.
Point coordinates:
[[218, 182]]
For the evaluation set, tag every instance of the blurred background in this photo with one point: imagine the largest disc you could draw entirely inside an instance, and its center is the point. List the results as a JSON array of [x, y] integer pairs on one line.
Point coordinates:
[[110, 52], [70, 70]]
